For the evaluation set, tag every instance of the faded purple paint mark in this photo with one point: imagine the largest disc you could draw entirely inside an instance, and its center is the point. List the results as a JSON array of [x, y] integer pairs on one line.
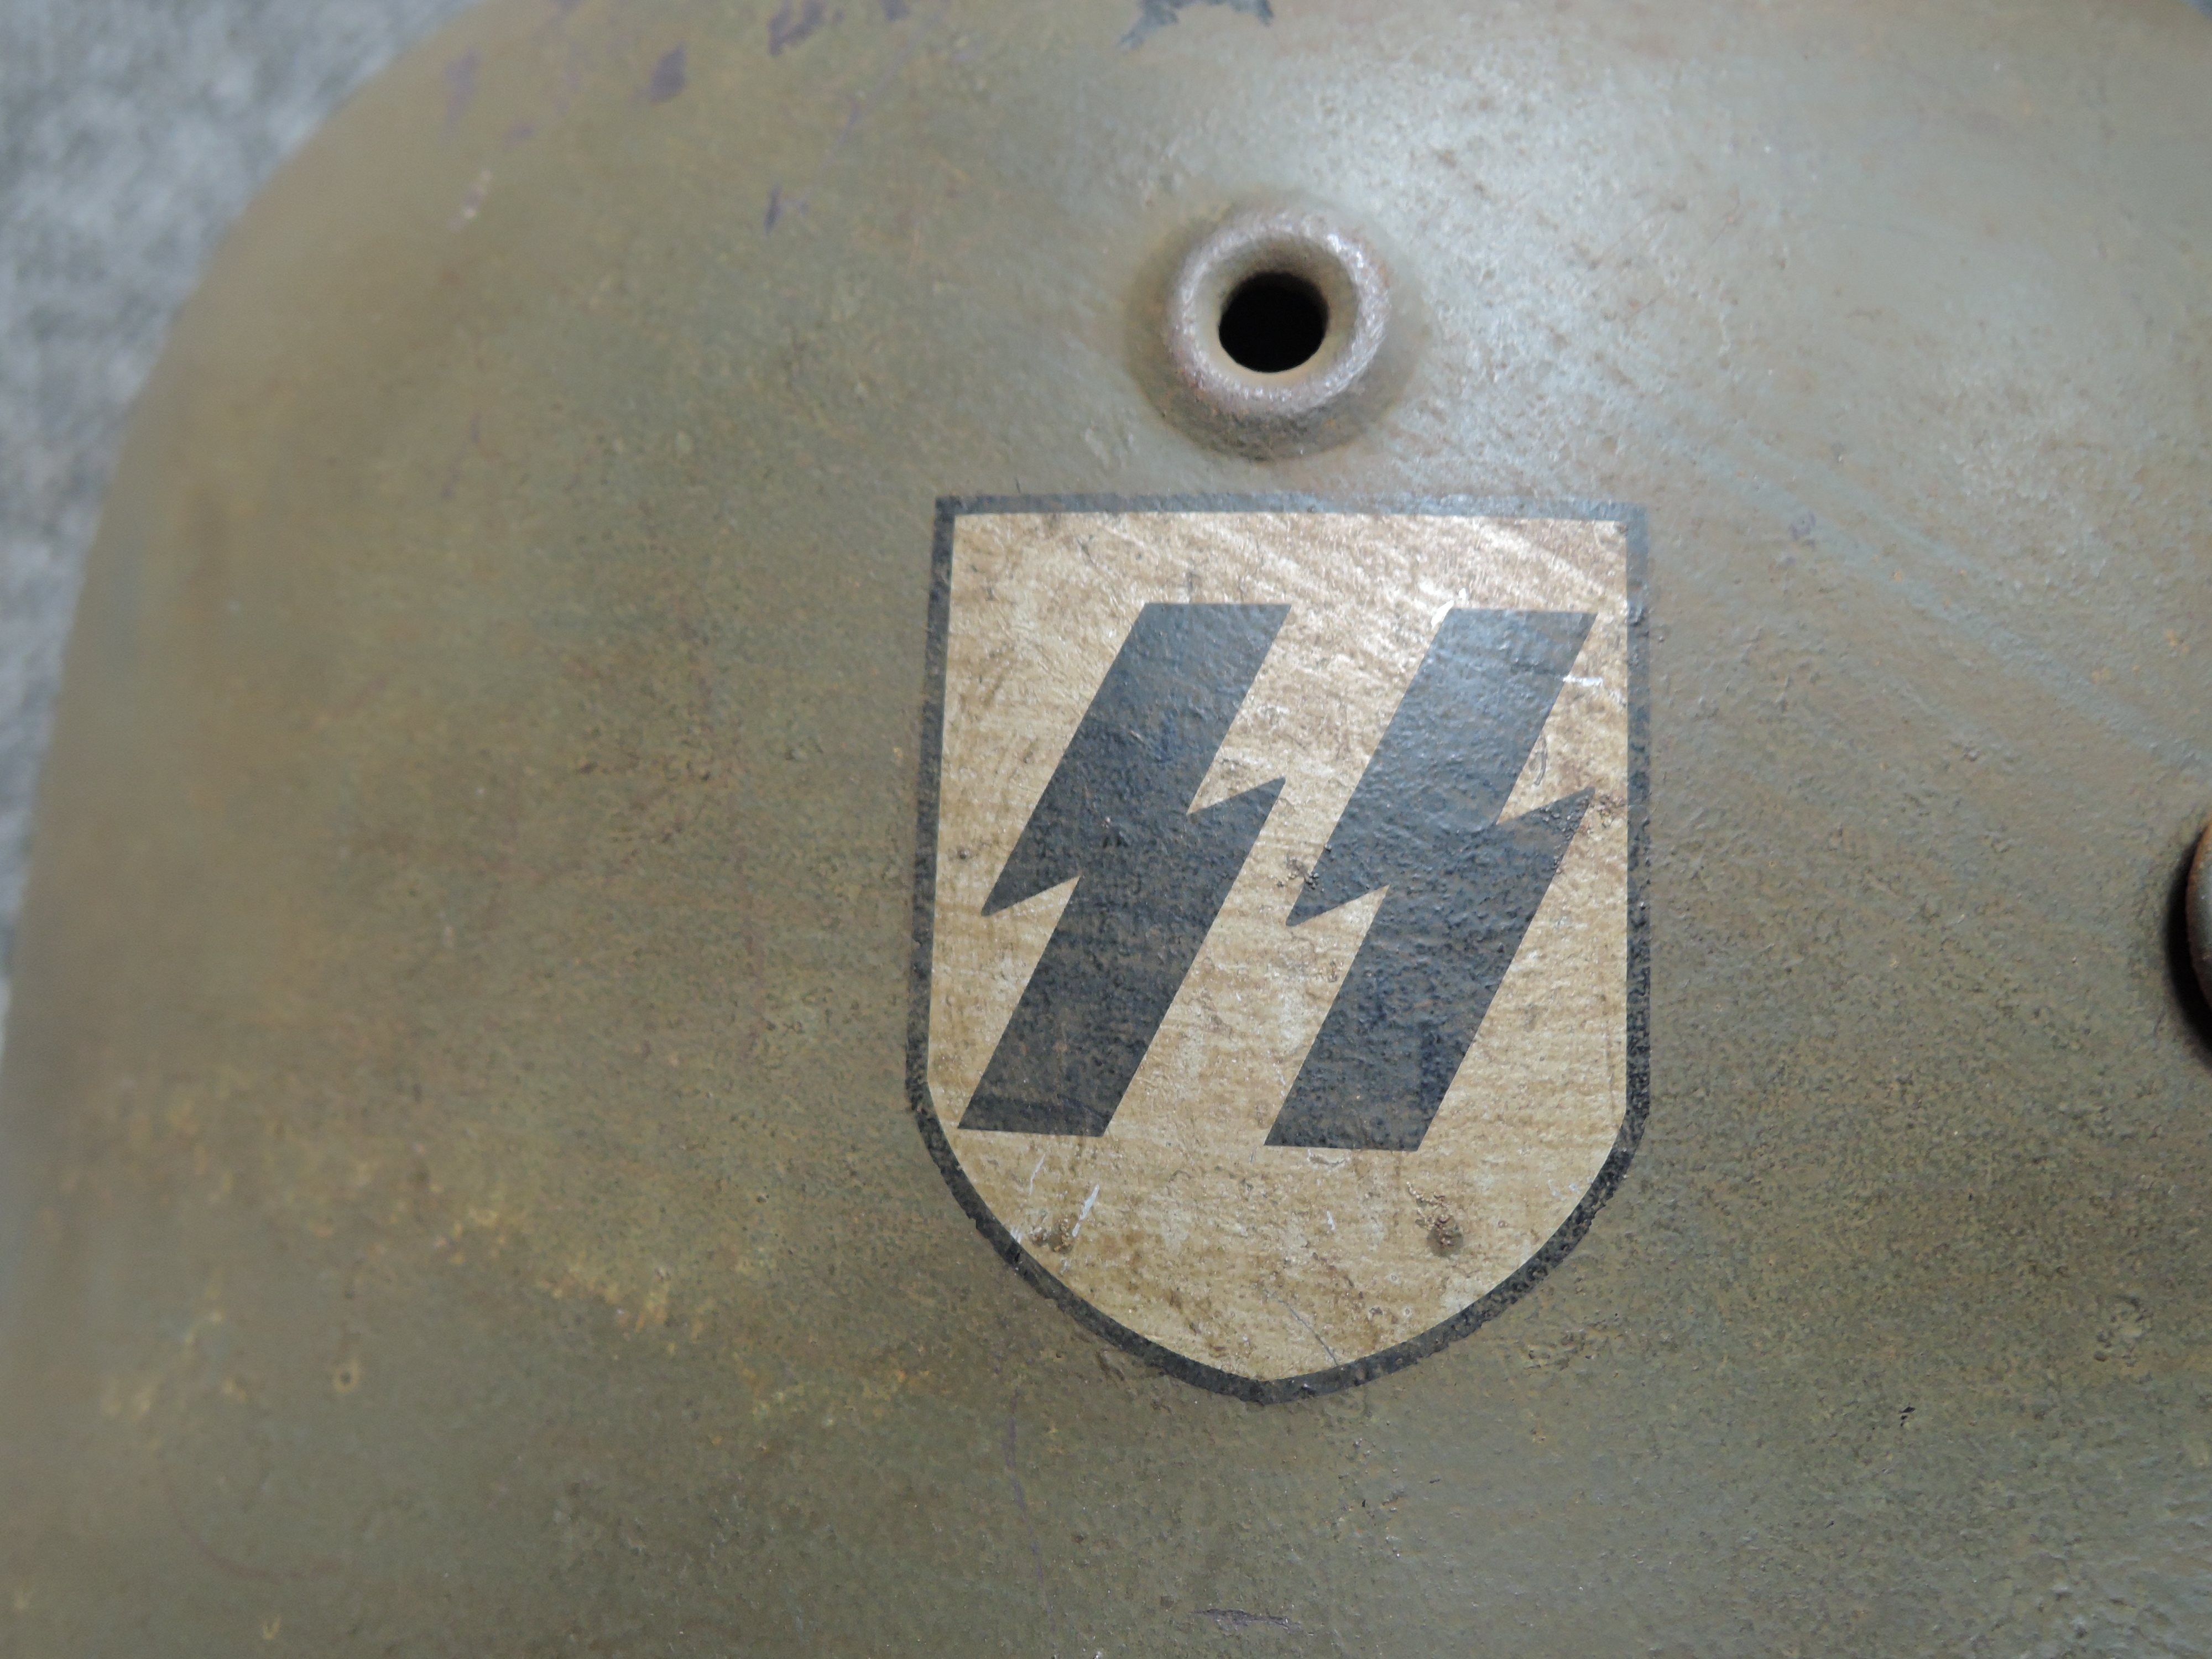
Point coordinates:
[[1154, 14], [667, 76], [788, 27], [461, 86], [778, 208]]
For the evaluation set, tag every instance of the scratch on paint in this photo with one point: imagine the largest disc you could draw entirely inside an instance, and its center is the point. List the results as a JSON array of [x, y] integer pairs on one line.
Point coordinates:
[[1237, 1619], [1156, 14], [1309, 1325], [234, 1568], [1076, 1232], [472, 203], [1021, 1499]]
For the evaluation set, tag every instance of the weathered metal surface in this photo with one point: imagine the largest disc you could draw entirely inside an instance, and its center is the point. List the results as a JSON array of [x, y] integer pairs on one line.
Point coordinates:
[[454, 1127]]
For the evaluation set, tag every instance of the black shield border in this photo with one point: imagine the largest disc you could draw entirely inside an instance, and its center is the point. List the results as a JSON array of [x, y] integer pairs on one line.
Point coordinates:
[[950, 510]]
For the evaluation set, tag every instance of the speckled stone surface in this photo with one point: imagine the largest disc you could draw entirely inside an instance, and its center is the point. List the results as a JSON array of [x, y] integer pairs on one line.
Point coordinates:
[[131, 133]]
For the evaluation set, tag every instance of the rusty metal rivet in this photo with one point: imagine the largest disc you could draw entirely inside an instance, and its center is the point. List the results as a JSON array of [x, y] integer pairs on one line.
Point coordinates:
[[1326, 388], [2200, 913]]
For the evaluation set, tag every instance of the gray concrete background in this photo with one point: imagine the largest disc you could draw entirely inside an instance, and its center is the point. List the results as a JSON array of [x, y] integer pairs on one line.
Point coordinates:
[[131, 133]]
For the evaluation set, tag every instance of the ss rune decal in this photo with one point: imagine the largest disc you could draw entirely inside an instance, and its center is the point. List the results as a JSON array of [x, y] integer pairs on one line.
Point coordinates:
[[1279, 969]]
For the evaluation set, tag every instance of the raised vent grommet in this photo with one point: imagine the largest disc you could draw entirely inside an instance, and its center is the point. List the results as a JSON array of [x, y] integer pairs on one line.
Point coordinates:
[[1286, 331]]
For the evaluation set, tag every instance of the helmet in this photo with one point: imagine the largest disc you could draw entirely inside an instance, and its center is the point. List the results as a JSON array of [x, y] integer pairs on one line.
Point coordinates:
[[1105, 829]]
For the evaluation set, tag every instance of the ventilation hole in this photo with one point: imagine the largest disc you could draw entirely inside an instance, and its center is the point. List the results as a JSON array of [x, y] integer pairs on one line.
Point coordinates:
[[1273, 322]]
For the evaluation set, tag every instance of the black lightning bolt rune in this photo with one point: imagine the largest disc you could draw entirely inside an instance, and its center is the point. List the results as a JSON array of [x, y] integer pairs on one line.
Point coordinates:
[[1463, 888], [1151, 875]]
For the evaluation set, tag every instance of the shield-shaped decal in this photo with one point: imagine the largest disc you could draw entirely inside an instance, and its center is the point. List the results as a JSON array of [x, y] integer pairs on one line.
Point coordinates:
[[1279, 960]]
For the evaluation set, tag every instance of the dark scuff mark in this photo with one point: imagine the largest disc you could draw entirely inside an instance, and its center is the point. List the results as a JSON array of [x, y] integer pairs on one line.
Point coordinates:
[[1156, 14], [667, 76], [895, 9], [789, 26], [1237, 1619], [461, 86], [775, 207]]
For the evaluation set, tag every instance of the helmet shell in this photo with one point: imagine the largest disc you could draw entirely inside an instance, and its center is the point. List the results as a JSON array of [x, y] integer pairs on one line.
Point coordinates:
[[460, 1186]]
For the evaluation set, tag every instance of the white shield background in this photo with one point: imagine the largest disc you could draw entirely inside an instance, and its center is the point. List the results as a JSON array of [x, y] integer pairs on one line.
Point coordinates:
[[1259, 1265]]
